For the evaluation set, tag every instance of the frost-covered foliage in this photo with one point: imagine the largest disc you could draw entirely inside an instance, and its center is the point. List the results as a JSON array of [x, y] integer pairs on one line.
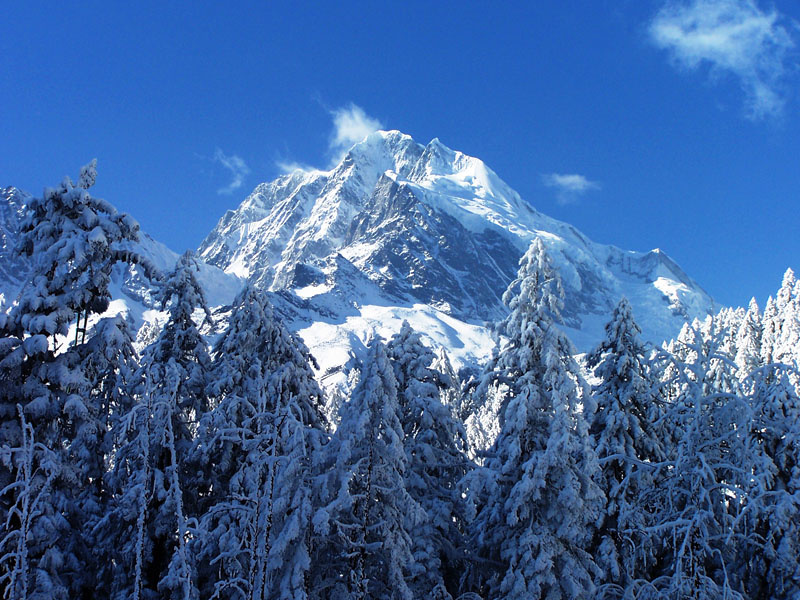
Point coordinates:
[[536, 522], [72, 242], [364, 547], [108, 361], [769, 555], [702, 493], [628, 448], [258, 443], [435, 446], [748, 341], [450, 388], [31, 565], [154, 490]]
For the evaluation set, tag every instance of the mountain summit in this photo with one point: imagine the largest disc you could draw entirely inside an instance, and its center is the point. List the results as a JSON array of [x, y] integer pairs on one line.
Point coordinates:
[[398, 231], [397, 224]]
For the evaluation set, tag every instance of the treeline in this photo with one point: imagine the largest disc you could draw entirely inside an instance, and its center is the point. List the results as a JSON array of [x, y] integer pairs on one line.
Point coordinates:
[[184, 472]]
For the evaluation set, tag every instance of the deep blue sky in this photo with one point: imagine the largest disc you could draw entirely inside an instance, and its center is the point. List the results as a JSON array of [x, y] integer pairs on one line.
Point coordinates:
[[693, 142]]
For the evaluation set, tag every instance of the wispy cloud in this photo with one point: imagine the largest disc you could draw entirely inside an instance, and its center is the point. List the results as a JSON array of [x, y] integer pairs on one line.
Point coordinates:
[[569, 186], [350, 125], [237, 167], [733, 37], [290, 166]]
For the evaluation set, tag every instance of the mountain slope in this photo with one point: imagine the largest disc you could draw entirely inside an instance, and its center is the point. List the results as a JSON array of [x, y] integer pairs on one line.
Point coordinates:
[[404, 225], [397, 231]]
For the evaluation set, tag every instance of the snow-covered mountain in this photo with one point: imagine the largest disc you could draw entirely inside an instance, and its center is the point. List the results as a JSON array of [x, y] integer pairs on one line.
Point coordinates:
[[398, 230], [402, 230]]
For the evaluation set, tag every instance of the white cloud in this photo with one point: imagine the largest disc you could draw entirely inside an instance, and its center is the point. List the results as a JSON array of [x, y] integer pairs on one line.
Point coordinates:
[[237, 167], [732, 37], [569, 186], [350, 125], [290, 166]]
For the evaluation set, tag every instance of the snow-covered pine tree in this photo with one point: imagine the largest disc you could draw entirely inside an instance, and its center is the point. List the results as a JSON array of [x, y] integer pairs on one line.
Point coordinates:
[[628, 449], [258, 443], [29, 561], [108, 361], [770, 331], [435, 446], [720, 332], [365, 547], [450, 390], [73, 242], [537, 523], [155, 496], [700, 496], [748, 341], [768, 553], [787, 303]]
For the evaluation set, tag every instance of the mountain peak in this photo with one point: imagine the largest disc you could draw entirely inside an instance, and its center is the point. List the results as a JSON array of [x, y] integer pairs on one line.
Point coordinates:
[[429, 229]]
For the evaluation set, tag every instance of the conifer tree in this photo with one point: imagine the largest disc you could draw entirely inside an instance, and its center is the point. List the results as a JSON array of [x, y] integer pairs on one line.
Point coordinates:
[[627, 446], [699, 498], [259, 441], [537, 522], [435, 448], [450, 389], [770, 332], [768, 555], [365, 549], [73, 241], [149, 524], [748, 341], [787, 303], [108, 361]]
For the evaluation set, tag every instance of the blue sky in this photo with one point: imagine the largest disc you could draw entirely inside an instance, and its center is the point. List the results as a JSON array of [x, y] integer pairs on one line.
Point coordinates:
[[643, 123]]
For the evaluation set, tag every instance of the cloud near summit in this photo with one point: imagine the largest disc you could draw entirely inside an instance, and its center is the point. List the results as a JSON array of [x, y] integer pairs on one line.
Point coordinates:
[[350, 125], [237, 168], [732, 37]]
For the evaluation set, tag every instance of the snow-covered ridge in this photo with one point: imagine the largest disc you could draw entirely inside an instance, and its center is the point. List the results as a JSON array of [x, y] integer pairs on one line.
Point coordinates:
[[428, 225], [398, 231]]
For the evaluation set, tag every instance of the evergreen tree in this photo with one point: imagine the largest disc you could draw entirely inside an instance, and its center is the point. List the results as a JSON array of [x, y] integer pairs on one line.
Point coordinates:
[[30, 563], [154, 502], [768, 554], [702, 494], [787, 303], [748, 341], [770, 332], [108, 361], [627, 446], [435, 448], [365, 549], [73, 241], [537, 522], [259, 440]]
